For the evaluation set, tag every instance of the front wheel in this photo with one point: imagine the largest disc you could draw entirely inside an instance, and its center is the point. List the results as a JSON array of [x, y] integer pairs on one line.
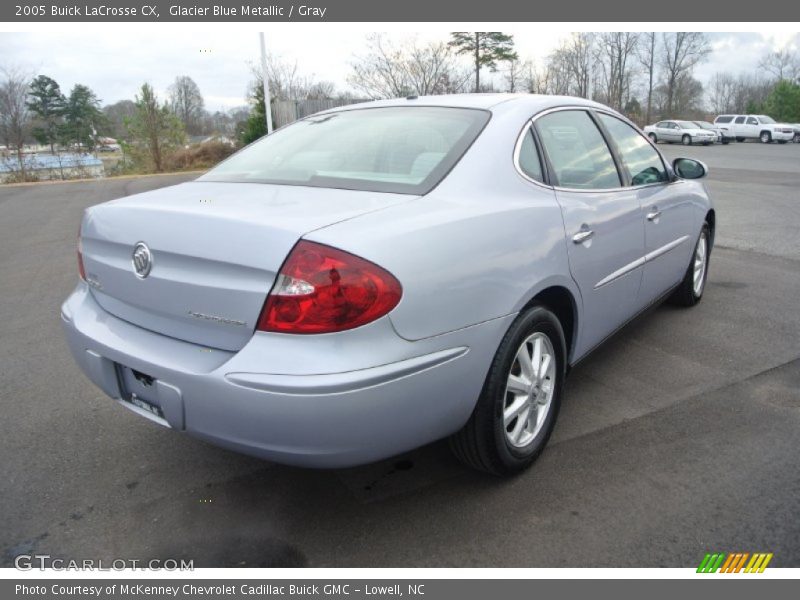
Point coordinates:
[[690, 290], [686, 140], [519, 403], [653, 137], [766, 137]]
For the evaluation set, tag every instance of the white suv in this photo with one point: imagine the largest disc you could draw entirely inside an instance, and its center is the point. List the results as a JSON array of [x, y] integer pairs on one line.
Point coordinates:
[[755, 127]]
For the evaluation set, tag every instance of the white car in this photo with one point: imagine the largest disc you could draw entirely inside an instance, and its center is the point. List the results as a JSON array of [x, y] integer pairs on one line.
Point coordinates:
[[684, 132], [755, 127]]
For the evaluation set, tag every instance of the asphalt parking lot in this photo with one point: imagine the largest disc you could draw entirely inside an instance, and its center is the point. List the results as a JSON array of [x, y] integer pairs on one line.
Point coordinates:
[[678, 437]]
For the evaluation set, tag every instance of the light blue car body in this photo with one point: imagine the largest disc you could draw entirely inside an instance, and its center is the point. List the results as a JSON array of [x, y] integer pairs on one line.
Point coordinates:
[[472, 253]]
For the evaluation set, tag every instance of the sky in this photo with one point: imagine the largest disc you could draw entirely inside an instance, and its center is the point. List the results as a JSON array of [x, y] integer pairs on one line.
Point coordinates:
[[114, 63]]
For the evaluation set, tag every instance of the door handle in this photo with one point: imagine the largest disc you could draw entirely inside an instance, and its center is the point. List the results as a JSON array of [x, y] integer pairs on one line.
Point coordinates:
[[653, 214], [582, 236]]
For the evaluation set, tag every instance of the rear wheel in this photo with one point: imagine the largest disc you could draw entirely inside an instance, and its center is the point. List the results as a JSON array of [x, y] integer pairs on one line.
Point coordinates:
[[686, 140], [766, 137], [519, 403], [690, 291]]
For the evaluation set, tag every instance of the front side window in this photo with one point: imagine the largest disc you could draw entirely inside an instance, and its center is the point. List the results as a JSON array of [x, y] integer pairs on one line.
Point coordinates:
[[643, 162], [577, 151], [739, 120], [752, 121], [393, 149]]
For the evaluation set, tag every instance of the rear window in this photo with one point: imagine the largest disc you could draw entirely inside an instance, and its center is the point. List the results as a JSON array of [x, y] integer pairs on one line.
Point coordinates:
[[725, 119], [405, 150]]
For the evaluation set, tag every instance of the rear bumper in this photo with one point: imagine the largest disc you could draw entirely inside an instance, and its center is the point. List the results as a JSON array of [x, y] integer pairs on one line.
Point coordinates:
[[318, 401]]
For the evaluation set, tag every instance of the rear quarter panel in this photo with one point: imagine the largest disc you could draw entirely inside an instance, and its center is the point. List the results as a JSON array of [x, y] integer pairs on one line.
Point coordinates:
[[478, 247]]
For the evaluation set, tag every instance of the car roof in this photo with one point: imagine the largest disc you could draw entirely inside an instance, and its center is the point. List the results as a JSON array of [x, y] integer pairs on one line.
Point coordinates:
[[494, 102]]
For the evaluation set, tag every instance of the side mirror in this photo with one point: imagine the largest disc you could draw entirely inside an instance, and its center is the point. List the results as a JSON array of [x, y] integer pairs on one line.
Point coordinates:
[[689, 168]]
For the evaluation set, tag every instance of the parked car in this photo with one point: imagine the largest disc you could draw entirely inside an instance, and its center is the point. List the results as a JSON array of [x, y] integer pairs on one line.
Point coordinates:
[[755, 127], [722, 139], [796, 127], [684, 132], [376, 277]]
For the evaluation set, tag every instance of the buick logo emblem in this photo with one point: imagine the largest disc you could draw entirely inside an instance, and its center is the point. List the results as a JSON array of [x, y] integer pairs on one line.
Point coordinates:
[[142, 260]]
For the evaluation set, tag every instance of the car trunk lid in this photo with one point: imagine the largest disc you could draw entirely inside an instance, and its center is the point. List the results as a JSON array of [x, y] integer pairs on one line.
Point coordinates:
[[215, 249]]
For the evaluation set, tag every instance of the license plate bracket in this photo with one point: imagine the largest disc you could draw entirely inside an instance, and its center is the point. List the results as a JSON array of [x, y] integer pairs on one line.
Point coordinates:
[[139, 389]]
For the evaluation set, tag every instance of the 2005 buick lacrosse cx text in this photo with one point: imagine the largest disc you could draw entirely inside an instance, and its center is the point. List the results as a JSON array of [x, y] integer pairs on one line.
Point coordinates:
[[379, 276]]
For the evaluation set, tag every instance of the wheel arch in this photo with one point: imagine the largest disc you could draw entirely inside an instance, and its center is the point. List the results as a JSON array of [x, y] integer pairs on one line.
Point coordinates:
[[711, 219], [561, 301]]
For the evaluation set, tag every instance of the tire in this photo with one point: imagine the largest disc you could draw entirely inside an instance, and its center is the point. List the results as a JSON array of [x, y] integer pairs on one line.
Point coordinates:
[[686, 140], [653, 137], [688, 293], [725, 142], [486, 443], [765, 137]]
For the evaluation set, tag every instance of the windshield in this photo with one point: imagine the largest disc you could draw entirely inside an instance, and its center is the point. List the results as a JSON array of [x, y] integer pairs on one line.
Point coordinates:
[[686, 125], [393, 149], [765, 119]]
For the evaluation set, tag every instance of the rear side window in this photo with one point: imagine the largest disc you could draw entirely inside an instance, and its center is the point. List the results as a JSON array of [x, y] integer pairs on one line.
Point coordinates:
[[529, 162], [723, 119], [739, 120], [393, 149], [644, 164], [577, 151]]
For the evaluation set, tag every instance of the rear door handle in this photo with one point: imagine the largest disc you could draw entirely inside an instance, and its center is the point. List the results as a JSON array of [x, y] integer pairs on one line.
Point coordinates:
[[653, 214], [582, 236]]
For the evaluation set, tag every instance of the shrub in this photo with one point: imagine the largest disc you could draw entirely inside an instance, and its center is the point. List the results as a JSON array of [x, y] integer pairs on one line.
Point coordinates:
[[199, 156]]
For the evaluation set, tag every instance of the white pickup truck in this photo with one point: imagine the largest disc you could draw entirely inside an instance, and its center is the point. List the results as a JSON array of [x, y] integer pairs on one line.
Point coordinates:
[[754, 127]]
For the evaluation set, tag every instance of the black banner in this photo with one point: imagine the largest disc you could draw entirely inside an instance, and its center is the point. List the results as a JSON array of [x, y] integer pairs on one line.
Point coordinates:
[[383, 589], [624, 11]]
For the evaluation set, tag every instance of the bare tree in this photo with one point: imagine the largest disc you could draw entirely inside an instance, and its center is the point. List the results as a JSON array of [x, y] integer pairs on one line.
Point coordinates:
[[515, 74], [187, 102], [570, 66], [286, 82], [388, 70], [783, 64], [14, 114], [616, 50], [681, 52], [722, 89], [647, 58]]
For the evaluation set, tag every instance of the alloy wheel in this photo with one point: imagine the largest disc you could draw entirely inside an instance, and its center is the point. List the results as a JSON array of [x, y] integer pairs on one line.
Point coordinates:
[[700, 262], [529, 390]]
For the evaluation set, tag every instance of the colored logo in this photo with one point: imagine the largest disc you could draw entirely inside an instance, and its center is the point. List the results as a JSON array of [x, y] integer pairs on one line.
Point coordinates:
[[736, 562]]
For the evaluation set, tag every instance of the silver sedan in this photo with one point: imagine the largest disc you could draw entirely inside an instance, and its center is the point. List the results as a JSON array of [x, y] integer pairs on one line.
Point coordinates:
[[380, 276]]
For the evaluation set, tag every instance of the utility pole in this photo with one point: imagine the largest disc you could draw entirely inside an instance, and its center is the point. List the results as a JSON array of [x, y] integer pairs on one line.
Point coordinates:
[[590, 69], [265, 79]]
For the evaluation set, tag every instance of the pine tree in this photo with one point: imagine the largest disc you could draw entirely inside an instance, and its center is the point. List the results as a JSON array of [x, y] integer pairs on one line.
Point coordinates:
[[486, 48], [154, 130], [49, 105], [82, 116]]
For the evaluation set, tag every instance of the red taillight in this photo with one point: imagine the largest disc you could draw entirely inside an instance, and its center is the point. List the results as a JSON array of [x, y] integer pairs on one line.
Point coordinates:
[[81, 271], [322, 289]]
